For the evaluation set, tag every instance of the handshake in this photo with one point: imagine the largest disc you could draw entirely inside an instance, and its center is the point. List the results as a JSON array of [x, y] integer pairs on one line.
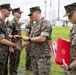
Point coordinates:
[[18, 46]]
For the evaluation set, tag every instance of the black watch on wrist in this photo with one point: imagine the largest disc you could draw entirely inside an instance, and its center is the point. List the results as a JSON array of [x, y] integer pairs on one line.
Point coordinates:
[[29, 40], [69, 69]]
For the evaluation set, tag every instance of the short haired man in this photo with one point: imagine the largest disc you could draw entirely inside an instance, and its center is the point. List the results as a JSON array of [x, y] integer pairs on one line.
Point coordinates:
[[39, 41], [4, 43], [71, 13], [14, 28]]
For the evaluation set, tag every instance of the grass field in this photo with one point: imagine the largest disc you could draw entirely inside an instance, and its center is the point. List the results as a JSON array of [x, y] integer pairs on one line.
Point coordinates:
[[62, 32]]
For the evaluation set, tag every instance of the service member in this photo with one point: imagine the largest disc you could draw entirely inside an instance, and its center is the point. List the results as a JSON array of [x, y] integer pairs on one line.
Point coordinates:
[[28, 28], [14, 28], [4, 43], [71, 13], [39, 41]]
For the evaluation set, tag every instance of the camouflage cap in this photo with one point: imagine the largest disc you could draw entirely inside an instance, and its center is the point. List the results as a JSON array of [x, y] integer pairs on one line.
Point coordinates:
[[69, 9], [33, 9], [6, 6], [17, 10]]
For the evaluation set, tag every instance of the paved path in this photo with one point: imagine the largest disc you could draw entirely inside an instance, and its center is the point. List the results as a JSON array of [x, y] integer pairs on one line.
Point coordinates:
[[22, 71]]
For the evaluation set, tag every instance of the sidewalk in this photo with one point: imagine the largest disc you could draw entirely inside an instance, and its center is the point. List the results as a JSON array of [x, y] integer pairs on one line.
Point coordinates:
[[22, 71]]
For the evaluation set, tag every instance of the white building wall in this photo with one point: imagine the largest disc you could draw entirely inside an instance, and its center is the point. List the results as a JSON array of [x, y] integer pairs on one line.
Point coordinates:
[[58, 23]]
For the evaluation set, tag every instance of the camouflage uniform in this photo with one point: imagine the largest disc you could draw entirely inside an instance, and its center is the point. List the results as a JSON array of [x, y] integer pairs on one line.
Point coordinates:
[[14, 28], [6, 66], [3, 48], [70, 9], [28, 48], [41, 52], [72, 49]]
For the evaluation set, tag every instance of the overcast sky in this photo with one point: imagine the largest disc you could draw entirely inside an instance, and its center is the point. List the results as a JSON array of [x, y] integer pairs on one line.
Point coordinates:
[[51, 7]]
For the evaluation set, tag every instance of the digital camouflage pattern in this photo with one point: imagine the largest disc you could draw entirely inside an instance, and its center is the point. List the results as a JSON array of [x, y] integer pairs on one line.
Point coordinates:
[[70, 9], [28, 48], [3, 48], [73, 49], [14, 28], [41, 28], [28, 27], [41, 66], [41, 52]]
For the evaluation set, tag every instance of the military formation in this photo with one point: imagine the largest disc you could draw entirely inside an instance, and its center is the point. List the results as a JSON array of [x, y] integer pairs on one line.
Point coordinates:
[[36, 41]]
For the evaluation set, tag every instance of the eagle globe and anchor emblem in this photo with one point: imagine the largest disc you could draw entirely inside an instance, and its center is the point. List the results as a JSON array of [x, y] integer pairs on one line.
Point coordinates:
[[63, 51]]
